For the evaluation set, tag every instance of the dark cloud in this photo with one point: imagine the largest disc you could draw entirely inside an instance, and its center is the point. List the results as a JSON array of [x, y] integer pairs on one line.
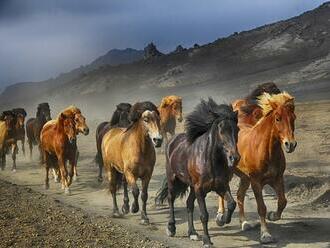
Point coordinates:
[[39, 39]]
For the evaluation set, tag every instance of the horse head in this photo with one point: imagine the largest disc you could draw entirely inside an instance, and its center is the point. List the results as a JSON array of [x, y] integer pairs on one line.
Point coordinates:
[[80, 124], [43, 111], [69, 127], [281, 107], [174, 103], [121, 115], [20, 115], [9, 118]]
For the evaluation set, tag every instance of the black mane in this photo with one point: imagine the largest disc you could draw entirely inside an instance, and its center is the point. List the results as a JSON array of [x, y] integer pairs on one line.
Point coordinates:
[[205, 114], [139, 107], [120, 116], [42, 106], [7, 113], [19, 111]]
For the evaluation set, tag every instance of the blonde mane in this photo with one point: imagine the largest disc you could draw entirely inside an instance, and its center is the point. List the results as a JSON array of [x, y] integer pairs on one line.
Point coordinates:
[[268, 102], [169, 100], [70, 111]]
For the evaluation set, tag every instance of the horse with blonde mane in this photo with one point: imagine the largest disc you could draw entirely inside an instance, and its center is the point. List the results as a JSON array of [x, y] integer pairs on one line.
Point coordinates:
[[262, 158], [130, 152], [58, 145], [170, 110], [80, 126]]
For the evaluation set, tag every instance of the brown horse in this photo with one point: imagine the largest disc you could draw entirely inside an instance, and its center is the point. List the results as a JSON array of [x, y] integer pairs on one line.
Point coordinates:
[[80, 126], [130, 152], [262, 157], [34, 126], [7, 132], [170, 109], [58, 144], [20, 129]]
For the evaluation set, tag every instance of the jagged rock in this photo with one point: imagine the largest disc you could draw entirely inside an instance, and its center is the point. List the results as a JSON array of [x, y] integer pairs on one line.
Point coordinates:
[[196, 45], [179, 49], [150, 51]]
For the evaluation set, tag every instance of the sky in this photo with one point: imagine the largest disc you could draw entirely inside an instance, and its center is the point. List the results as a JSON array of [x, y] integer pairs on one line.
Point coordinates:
[[41, 38]]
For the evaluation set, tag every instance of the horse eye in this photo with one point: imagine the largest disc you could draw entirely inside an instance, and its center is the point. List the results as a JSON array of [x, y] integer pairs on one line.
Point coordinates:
[[278, 119], [145, 120]]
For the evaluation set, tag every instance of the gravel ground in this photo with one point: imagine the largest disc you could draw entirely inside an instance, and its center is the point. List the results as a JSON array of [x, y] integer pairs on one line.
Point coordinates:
[[31, 219]]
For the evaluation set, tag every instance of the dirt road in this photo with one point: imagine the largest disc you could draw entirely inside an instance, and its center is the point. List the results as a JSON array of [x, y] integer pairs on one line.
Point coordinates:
[[305, 223]]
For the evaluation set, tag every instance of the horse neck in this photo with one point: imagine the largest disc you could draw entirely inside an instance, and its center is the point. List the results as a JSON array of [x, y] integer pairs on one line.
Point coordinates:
[[266, 136], [139, 133]]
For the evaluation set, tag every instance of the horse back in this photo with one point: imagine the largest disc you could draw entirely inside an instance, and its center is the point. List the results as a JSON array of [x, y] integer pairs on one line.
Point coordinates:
[[101, 130]]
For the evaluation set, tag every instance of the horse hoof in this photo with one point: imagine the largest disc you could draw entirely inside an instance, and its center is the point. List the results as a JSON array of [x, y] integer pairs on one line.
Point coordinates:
[[207, 245], [46, 186], [67, 191], [134, 208], [145, 221], [266, 238], [13, 170], [100, 179], [170, 233], [272, 216], [116, 214], [194, 237], [125, 209], [220, 220], [246, 226], [56, 180], [75, 178]]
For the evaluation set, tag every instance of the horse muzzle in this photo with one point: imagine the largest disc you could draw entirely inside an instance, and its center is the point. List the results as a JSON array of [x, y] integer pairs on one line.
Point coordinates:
[[290, 146], [157, 141], [180, 119], [86, 131]]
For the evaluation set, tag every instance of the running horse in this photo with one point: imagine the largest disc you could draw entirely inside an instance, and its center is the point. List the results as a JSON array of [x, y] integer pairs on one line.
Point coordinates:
[[202, 159], [119, 119], [20, 129], [170, 109], [58, 144], [34, 126], [80, 126], [130, 152], [262, 157], [7, 129]]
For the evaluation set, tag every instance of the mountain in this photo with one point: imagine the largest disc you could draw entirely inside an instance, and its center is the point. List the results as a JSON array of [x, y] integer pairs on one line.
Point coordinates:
[[294, 53]]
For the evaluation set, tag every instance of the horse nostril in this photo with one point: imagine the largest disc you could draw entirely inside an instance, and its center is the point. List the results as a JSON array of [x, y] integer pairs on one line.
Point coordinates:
[[295, 144], [231, 158], [287, 144]]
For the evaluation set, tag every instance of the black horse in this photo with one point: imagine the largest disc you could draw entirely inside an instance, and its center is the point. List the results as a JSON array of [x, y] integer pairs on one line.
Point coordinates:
[[34, 125], [119, 119], [20, 128], [202, 159]]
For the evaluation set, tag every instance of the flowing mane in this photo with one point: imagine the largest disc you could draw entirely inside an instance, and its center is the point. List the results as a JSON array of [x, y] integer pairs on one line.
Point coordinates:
[[205, 114], [70, 111], [169, 100], [268, 102]]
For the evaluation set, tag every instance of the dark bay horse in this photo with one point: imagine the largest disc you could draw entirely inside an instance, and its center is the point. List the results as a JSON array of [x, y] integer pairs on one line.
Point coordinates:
[[119, 119], [262, 157], [130, 152], [7, 137], [20, 126], [34, 125], [202, 159], [58, 144]]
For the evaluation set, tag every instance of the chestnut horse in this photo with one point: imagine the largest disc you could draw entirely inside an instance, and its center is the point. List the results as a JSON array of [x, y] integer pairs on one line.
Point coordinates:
[[34, 126], [130, 152], [7, 130], [119, 119], [58, 144], [262, 157], [202, 159], [170, 109], [80, 126], [20, 129]]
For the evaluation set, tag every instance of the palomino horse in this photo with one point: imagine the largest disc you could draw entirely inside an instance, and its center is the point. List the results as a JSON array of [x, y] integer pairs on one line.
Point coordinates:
[[262, 157], [20, 129], [58, 144], [7, 130], [202, 159], [34, 126], [119, 119], [80, 126], [170, 109], [130, 152], [249, 113]]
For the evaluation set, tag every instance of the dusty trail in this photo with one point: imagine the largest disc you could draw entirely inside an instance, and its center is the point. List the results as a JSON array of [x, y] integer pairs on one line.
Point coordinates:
[[303, 225]]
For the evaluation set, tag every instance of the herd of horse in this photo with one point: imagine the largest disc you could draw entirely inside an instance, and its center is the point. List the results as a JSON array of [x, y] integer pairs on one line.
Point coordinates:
[[246, 138]]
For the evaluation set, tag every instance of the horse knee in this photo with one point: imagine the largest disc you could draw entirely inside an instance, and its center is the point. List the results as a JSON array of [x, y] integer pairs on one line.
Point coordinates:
[[144, 196], [204, 217], [135, 191]]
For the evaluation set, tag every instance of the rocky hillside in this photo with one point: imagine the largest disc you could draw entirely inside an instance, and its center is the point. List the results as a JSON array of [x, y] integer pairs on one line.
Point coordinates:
[[294, 53]]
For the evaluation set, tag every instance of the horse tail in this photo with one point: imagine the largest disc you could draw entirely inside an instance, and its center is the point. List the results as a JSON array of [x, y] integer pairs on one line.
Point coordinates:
[[179, 188]]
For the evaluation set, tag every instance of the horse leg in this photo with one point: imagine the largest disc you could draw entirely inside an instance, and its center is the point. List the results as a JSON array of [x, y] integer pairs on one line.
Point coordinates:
[[242, 188], [3, 159], [171, 229], [30, 148], [112, 177], [23, 146], [222, 216], [125, 207], [265, 236], [99, 160], [131, 180], [144, 198], [281, 202], [204, 216], [64, 175], [14, 150], [46, 157], [75, 172], [193, 235]]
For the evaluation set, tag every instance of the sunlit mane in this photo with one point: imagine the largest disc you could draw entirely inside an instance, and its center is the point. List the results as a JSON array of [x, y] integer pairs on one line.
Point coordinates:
[[71, 110], [169, 100], [269, 102]]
